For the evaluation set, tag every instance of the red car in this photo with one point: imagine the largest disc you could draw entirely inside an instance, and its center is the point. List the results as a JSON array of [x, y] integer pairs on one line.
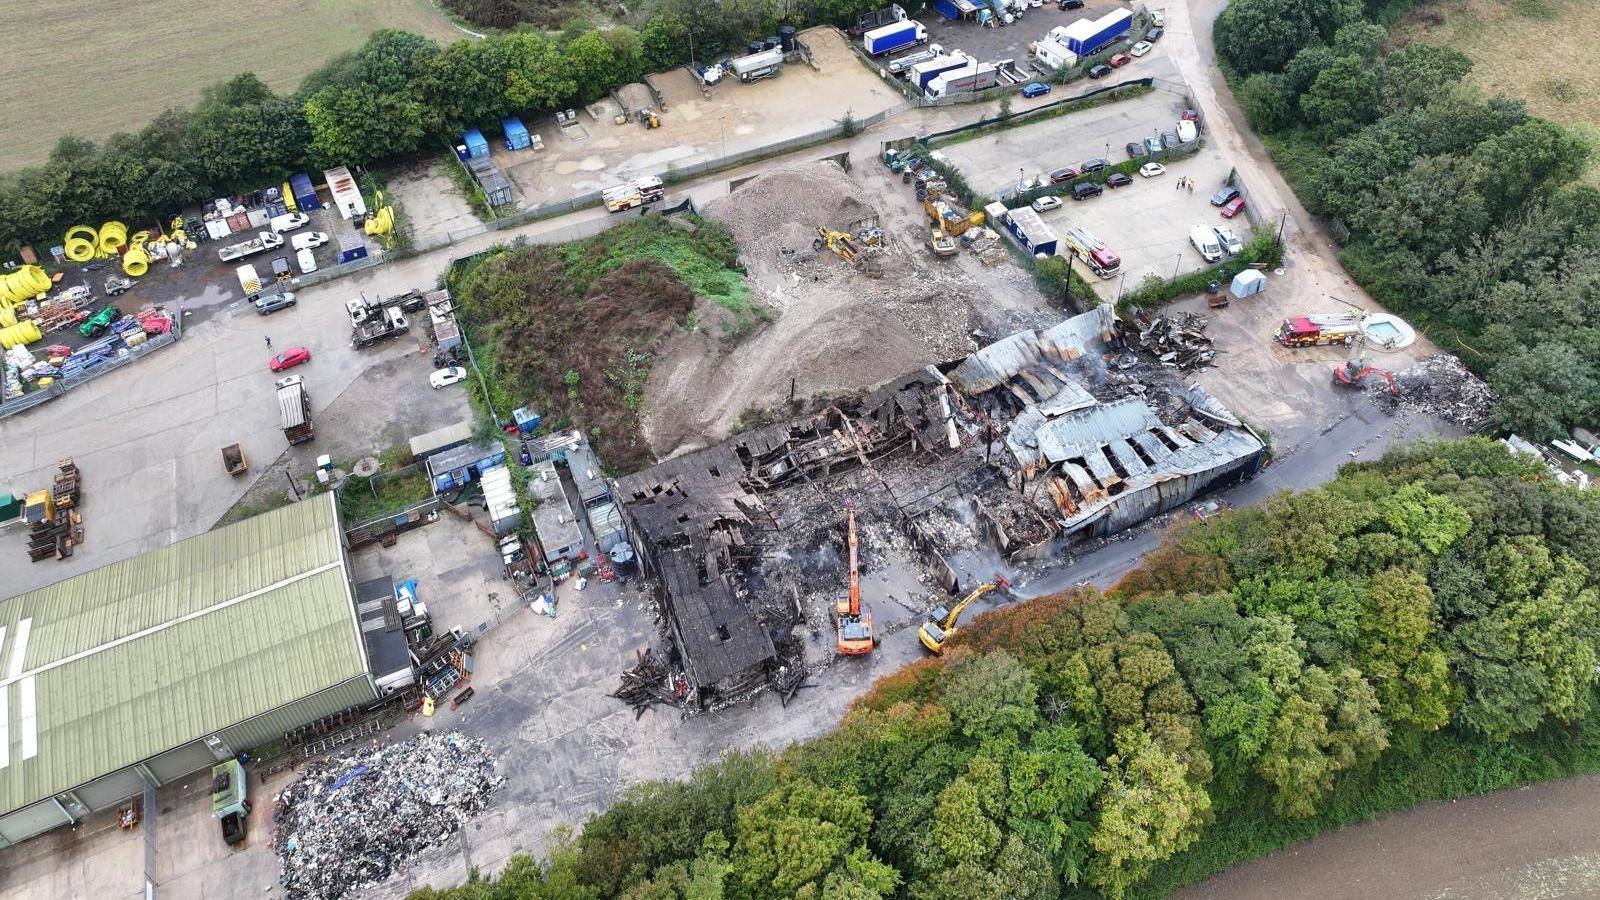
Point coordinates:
[[289, 358], [1120, 60], [1233, 207]]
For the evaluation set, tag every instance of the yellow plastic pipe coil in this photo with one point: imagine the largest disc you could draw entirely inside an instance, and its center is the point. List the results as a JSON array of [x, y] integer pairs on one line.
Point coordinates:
[[18, 287], [24, 332], [382, 222], [112, 236], [136, 261], [82, 243]]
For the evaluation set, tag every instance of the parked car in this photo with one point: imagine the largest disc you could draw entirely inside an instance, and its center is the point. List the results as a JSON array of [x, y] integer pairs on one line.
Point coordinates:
[[1045, 204], [1151, 170], [1065, 173], [1119, 60], [289, 358], [1154, 34], [309, 240], [267, 304], [1169, 140], [289, 222], [1153, 145], [1229, 239], [1204, 240], [1138, 50], [1099, 71], [117, 284], [1158, 18], [1118, 179], [1233, 207], [1190, 115], [307, 261], [1083, 190], [1224, 195], [1135, 149], [1070, 4], [99, 322], [1092, 165], [1035, 89], [446, 377]]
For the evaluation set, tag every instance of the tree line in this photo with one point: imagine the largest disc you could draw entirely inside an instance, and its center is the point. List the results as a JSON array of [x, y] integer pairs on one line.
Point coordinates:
[[1418, 628], [400, 93], [1462, 212]]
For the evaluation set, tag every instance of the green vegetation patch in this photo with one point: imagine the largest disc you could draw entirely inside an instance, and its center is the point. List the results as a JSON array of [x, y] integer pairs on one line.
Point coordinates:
[[365, 499]]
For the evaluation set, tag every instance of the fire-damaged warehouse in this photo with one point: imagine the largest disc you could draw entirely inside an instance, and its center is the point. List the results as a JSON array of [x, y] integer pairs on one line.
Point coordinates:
[[1038, 439]]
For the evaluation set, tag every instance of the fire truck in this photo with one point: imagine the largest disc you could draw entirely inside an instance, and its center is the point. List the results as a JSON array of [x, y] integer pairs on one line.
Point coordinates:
[[633, 193], [1096, 255], [1318, 331]]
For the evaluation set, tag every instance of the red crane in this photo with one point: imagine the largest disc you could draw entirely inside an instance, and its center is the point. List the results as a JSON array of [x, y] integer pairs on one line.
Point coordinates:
[[854, 621]]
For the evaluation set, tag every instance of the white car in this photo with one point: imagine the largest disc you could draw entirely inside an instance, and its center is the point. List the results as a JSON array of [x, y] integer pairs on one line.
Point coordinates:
[[1229, 239], [289, 222], [1158, 18], [446, 377], [307, 261], [1044, 204], [1139, 49], [1151, 170], [309, 240]]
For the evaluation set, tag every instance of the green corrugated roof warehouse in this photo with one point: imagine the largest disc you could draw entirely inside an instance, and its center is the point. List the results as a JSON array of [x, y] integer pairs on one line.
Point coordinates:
[[149, 669]]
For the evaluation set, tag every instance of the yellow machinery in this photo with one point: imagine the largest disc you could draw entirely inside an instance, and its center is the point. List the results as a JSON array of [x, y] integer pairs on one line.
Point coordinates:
[[839, 242], [648, 118], [38, 507], [941, 624], [941, 244]]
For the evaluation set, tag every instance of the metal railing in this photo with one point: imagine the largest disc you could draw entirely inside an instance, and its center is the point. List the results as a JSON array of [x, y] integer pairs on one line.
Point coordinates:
[[150, 344]]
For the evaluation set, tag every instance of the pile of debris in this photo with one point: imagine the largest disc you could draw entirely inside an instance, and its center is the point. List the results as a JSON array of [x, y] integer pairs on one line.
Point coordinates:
[[1177, 340], [1441, 386], [349, 822], [650, 682]]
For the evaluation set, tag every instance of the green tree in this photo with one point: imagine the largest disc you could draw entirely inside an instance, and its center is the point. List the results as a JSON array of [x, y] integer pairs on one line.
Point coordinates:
[[1148, 811], [1418, 72], [1342, 98], [1516, 166], [1267, 102], [991, 697], [1544, 387], [801, 836], [355, 126]]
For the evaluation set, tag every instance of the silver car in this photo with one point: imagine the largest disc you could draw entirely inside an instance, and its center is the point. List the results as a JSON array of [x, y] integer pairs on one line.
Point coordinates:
[[267, 304]]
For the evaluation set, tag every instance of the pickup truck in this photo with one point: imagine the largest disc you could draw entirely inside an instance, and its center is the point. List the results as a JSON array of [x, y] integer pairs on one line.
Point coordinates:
[[264, 240]]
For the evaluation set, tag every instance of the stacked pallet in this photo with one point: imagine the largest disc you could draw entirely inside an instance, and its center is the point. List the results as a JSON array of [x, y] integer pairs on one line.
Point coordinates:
[[55, 533]]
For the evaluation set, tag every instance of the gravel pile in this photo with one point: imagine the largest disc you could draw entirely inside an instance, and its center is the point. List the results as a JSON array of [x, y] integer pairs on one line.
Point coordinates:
[[351, 821], [780, 209], [1439, 385]]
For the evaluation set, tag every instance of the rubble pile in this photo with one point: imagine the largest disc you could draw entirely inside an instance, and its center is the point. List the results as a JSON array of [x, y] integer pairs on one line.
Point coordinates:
[[763, 216], [650, 682], [1441, 386], [1177, 340], [351, 821]]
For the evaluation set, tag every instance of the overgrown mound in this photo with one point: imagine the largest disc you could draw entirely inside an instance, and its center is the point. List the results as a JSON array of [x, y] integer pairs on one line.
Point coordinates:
[[573, 329]]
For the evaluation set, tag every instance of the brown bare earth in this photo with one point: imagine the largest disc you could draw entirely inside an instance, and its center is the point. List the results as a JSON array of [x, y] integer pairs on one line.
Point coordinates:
[[1520, 844]]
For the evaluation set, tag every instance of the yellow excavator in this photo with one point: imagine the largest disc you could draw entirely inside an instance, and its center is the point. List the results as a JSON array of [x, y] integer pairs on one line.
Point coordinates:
[[941, 624], [840, 242]]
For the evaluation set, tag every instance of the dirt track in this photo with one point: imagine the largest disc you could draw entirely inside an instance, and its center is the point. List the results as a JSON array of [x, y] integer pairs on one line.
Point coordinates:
[[1538, 842]]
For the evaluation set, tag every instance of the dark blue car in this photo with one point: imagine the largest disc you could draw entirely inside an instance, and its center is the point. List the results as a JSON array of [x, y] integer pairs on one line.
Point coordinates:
[[1035, 89]]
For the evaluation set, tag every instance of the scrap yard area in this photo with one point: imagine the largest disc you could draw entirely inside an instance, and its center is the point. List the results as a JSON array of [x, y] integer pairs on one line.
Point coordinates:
[[551, 512]]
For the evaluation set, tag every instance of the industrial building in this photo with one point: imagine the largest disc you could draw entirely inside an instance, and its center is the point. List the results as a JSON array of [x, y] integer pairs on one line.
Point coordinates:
[[147, 670]]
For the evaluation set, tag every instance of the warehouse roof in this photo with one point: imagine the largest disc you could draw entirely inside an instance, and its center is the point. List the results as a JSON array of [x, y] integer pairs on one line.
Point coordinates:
[[133, 659]]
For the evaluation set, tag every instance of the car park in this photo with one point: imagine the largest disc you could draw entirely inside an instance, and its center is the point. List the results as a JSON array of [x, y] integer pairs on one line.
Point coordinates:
[[446, 377], [1044, 204], [266, 304], [1118, 179], [1119, 60], [1092, 165], [1224, 195], [1153, 145], [1154, 34], [289, 358], [307, 261], [1099, 71], [1083, 190], [1139, 49], [309, 240], [1233, 207], [1135, 149], [1229, 239], [1151, 170], [1035, 89], [1065, 173]]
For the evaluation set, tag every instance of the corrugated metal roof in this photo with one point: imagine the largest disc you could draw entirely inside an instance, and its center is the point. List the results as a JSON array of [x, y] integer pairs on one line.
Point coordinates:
[[119, 664], [1072, 435]]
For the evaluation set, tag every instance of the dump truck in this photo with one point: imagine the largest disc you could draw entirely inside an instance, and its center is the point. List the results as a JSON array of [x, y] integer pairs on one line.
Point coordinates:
[[1100, 259], [377, 328], [294, 405], [264, 240], [1318, 331]]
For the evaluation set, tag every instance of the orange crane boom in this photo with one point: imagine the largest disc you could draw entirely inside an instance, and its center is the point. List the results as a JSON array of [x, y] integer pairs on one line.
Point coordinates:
[[853, 621]]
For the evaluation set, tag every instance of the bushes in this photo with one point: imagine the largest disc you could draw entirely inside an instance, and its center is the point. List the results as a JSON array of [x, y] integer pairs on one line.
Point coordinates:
[[1262, 250]]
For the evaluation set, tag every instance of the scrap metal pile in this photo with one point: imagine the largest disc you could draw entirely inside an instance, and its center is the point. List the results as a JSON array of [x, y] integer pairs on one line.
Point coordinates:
[[1439, 385], [1177, 340], [350, 822]]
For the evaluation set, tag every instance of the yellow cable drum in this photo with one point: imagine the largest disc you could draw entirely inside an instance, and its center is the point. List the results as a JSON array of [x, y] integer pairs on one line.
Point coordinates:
[[112, 236], [24, 332], [18, 287], [136, 261], [82, 243]]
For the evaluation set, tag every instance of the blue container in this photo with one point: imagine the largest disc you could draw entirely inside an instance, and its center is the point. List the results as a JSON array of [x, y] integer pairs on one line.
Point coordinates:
[[476, 145], [527, 420], [305, 195], [516, 134]]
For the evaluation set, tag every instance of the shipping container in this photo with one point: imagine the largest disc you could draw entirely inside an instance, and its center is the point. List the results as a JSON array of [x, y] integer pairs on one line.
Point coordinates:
[[305, 194], [1030, 231], [757, 65], [1055, 54], [897, 36], [477, 147], [516, 134], [1085, 36], [964, 81], [923, 73]]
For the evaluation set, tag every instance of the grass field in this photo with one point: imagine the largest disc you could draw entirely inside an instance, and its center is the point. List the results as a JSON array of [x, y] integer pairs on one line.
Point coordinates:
[[1547, 52], [94, 67]]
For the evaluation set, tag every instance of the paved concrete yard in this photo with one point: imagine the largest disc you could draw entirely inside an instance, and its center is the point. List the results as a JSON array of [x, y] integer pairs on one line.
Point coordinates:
[[430, 202], [1011, 41]]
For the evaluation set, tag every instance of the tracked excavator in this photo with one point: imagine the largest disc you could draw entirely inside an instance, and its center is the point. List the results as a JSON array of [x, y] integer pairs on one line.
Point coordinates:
[[941, 624], [848, 247], [854, 620], [1356, 371]]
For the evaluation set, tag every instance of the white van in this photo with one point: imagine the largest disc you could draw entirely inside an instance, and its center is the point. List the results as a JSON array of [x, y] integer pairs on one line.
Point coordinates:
[[1204, 239], [289, 222], [307, 261], [307, 240]]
